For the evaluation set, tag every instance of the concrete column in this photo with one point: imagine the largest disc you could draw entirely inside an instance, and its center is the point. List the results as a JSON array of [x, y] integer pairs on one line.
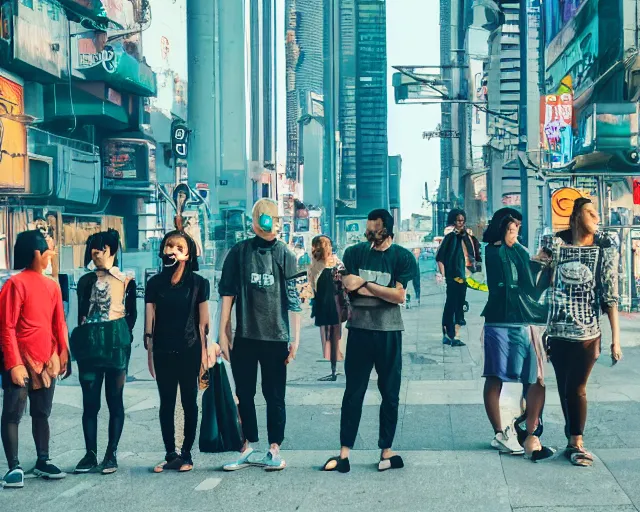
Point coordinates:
[[203, 114]]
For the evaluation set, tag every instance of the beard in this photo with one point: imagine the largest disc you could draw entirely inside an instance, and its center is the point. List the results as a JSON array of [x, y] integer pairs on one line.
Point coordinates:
[[377, 238]]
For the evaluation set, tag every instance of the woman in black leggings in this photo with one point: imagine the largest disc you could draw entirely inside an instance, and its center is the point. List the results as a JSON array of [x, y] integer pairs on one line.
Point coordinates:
[[102, 345], [585, 282], [176, 325]]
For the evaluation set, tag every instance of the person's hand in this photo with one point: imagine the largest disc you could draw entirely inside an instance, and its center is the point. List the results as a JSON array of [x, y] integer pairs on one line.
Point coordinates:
[[152, 370], [439, 279], [224, 345], [20, 376], [65, 365], [293, 351], [616, 352]]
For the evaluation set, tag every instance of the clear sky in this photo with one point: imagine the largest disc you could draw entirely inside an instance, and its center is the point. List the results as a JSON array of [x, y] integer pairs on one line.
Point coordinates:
[[413, 38]]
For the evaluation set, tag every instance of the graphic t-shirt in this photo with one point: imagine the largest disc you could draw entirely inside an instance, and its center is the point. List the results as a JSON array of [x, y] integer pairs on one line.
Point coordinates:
[[385, 268], [261, 277], [177, 318]]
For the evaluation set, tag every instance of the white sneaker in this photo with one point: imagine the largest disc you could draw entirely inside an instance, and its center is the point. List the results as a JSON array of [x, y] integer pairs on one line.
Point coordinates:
[[507, 442]]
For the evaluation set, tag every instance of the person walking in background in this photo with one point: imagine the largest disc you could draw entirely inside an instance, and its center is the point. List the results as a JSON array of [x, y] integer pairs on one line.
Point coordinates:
[[457, 255], [512, 340], [585, 283], [259, 276], [33, 343], [323, 275], [377, 273], [176, 328], [101, 344]]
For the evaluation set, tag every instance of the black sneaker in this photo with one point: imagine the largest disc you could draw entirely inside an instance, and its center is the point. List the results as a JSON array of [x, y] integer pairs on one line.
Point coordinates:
[[14, 479], [87, 464], [446, 340], [455, 342], [48, 471], [110, 463]]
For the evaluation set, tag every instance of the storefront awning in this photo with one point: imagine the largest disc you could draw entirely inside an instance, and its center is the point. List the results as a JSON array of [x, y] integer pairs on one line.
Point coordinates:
[[90, 13], [61, 101]]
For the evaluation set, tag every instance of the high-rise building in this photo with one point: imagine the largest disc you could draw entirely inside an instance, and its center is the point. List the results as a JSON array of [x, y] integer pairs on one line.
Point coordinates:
[[363, 181]]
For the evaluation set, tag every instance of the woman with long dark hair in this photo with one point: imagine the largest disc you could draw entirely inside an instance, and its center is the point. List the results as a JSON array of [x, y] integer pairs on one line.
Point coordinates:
[[324, 273], [585, 284], [513, 350], [102, 344], [176, 327]]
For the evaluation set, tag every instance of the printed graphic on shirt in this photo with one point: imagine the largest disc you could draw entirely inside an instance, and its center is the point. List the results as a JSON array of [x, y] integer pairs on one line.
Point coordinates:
[[262, 280], [373, 276], [100, 302]]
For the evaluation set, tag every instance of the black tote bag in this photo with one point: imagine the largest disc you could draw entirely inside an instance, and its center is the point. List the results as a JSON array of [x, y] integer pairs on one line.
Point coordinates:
[[220, 429]]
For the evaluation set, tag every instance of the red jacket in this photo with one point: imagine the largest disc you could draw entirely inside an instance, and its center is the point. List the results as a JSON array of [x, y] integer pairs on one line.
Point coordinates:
[[31, 319]]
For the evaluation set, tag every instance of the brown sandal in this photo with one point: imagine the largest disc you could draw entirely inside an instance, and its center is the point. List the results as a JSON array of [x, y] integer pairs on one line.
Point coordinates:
[[172, 462]]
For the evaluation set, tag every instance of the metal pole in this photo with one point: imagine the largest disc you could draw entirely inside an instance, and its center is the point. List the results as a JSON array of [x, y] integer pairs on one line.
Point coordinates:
[[202, 110], [522, 119]]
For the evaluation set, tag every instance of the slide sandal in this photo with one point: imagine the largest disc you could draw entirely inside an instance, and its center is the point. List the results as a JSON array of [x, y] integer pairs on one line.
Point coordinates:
[[394, 462], [578, 456], [341, 465]]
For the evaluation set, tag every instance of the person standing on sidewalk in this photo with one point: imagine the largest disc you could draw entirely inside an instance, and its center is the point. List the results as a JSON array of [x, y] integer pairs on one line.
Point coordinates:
[[457, 255], [101, 344], [585, 283], [33, 342], [512, 340], [259, 276], [176, 328], [322, 275], [377, 274]]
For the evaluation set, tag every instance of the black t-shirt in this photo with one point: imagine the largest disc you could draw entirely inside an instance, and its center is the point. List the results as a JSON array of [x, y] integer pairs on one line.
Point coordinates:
[[177, 317], [385, 268], [260, 275]]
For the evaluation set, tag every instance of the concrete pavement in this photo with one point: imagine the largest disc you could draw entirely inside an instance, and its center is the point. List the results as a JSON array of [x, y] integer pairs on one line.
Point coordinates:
[[442, 432]]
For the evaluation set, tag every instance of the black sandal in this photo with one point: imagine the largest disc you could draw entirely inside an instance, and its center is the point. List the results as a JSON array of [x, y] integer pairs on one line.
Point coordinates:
[[329, 378], [172, 462], [395, 462], [342, 465]]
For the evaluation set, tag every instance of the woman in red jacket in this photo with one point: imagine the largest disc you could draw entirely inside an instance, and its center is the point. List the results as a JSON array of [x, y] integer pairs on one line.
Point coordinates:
[[33, 342]]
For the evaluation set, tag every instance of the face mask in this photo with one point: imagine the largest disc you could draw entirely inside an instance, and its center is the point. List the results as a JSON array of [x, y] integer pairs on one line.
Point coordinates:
[[169, 260]]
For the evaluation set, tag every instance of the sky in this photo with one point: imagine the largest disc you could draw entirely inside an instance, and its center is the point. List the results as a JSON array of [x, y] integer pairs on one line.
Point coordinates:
[[413, 38]]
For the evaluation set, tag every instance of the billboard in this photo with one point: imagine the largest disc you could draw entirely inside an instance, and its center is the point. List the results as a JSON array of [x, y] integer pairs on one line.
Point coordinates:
[[129, 160], [556, 134], [13, 136], [557, 15]]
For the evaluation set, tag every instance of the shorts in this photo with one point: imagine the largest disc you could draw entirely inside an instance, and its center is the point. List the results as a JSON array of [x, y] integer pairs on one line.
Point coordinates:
[[510, 354]]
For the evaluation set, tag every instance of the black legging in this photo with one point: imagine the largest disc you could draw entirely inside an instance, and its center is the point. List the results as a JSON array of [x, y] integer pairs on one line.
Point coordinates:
[[91, 383], [175, 369], [573, 362], [453, 307], [332, 334], [13, 406]]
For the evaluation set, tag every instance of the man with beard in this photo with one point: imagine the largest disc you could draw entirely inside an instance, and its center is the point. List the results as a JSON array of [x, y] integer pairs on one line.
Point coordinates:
[[458, 255], [259, 276], [176, 326], [377, 273]]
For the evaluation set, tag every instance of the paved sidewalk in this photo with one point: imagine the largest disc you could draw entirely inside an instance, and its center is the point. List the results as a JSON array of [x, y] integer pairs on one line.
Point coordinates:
[[443, 434]]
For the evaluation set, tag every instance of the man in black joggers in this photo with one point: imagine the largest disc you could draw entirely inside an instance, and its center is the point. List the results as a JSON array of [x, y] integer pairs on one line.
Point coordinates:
[[377, 273]]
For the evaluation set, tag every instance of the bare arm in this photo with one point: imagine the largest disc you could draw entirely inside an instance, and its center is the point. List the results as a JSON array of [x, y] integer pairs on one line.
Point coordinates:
[[441, 268], [149, 323], [203, 311], [352, 283], [614, 320], [393, 295]]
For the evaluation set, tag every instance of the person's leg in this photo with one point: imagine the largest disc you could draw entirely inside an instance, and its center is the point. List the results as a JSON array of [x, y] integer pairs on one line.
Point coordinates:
[[584, 358], [462, 298], [448, 315], [91, 384], [244, 366], [336, 334], [492, 390], [357, 366], [114, 392], [13, 407], [188, 376], [388, 363], [40, 404], [273, 369], [561, 360], [167, 382]]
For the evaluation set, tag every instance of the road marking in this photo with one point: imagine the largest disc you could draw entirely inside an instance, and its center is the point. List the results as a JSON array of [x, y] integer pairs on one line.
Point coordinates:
[[209, 484], [77, 489]]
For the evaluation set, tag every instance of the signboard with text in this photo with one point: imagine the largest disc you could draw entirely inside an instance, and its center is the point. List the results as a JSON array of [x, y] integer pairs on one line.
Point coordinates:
[[556, 134]]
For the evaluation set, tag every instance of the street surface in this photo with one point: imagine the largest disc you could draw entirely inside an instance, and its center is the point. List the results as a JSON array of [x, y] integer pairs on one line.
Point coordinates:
[[443, 435]]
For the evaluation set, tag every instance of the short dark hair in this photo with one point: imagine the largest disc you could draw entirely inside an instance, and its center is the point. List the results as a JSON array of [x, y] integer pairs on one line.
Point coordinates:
[[385, 217], [453, 216], [504, 226], [191, 246], [493, 233], [27, 243], [109, 238], [578, 205]]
